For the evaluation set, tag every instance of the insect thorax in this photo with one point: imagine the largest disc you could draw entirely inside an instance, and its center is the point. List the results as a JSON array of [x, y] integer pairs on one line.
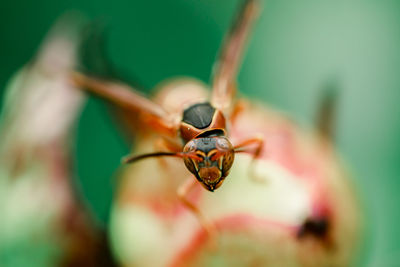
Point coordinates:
[[201, 118]]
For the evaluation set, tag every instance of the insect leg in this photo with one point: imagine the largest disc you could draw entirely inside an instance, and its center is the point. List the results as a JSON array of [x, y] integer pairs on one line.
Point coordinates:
[[224, 80], [166, 144], [124, 97], [182, 193], [239, 106], [163, 144], [253, 146], [248, 146]]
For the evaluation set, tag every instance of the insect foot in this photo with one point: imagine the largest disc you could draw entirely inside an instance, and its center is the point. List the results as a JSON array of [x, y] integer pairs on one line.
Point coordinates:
[[257, 175]]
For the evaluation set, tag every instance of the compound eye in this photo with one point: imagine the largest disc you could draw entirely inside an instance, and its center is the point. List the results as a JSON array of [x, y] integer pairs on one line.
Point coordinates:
[[190, 164], [227, 162], [223, 144], [190, 147]]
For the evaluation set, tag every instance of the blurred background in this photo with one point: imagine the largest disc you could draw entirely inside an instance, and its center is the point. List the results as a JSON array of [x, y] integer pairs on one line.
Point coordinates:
[[297, 48]]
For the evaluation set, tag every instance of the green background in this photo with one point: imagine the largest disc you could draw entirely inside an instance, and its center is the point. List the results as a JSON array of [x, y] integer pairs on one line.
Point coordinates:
[[297, 48]]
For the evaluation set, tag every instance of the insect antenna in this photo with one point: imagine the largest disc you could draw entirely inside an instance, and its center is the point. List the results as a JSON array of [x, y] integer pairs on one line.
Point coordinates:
[[134, 158]]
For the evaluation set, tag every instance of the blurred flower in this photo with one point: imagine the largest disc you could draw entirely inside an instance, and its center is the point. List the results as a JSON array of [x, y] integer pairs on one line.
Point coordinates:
[[42, 222], [305, 213]]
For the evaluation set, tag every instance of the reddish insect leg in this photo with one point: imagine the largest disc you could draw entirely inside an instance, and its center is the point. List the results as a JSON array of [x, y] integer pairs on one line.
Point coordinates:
[[163, 144], [237, 109], [183, 191], [253, 146], [167, 144]]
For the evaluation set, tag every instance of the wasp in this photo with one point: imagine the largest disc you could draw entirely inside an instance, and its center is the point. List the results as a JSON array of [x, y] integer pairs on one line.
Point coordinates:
[[199, 132]]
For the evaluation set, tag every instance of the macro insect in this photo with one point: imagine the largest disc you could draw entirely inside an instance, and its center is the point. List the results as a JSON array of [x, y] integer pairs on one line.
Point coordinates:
[[199, 132]]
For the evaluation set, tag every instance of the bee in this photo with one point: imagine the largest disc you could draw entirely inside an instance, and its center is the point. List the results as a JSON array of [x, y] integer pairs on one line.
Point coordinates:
[[202, 127]]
